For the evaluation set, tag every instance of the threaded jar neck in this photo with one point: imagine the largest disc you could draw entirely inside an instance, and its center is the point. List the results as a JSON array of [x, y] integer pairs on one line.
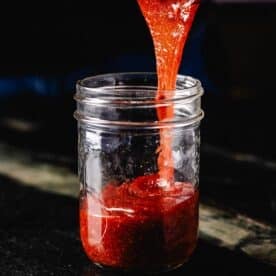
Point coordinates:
[[128, 100]]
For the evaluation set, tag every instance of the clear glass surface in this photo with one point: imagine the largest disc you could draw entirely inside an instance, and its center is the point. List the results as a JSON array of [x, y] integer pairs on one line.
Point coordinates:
[[131, 216]]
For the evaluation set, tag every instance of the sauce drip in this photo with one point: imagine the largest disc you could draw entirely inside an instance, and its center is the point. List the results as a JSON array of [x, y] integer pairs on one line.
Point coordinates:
[[169, 22]]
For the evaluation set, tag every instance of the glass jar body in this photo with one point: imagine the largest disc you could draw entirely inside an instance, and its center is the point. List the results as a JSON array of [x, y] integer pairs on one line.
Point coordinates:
[[132, 217]]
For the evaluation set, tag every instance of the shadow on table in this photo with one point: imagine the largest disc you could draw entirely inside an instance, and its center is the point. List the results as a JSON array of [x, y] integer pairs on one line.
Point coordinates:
[[39, 236], [207, 260]]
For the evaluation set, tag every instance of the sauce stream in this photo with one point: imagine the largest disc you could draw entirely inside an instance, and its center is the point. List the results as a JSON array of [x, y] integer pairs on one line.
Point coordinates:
[[169, 22]]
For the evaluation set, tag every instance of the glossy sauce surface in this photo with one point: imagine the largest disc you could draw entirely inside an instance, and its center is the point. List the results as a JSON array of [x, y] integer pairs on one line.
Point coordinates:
[[139, 225]]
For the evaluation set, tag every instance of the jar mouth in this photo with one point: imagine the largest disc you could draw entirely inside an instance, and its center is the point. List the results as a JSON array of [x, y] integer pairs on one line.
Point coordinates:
[[128, 100], [134, 88]]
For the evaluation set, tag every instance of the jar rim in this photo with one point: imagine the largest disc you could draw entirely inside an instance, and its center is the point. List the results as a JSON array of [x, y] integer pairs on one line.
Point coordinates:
[[101, 88], [106, 101]]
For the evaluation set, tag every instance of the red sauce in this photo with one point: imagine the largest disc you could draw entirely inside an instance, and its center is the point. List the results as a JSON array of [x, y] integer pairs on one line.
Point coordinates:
[[144, 224], [140, 225], [169, 22]]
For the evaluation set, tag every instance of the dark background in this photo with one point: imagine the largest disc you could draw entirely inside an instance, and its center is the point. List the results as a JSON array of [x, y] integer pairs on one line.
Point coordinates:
[[47, 45]]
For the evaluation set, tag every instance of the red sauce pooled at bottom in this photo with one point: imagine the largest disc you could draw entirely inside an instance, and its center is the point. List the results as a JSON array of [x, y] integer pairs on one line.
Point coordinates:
[[139, 224]]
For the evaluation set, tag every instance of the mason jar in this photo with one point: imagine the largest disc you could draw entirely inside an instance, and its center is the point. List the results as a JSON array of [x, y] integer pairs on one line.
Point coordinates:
[[138, 167]]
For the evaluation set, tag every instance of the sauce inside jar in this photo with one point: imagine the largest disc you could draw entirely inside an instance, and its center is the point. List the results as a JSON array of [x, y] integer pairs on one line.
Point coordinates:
[[139, 225]]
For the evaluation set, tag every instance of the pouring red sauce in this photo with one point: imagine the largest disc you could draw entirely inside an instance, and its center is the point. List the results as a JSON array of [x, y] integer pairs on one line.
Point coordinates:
[[169, 22], [150, 222]]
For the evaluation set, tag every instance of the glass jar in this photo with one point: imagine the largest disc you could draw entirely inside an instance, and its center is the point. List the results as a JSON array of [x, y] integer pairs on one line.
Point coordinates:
[[138, 174]]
